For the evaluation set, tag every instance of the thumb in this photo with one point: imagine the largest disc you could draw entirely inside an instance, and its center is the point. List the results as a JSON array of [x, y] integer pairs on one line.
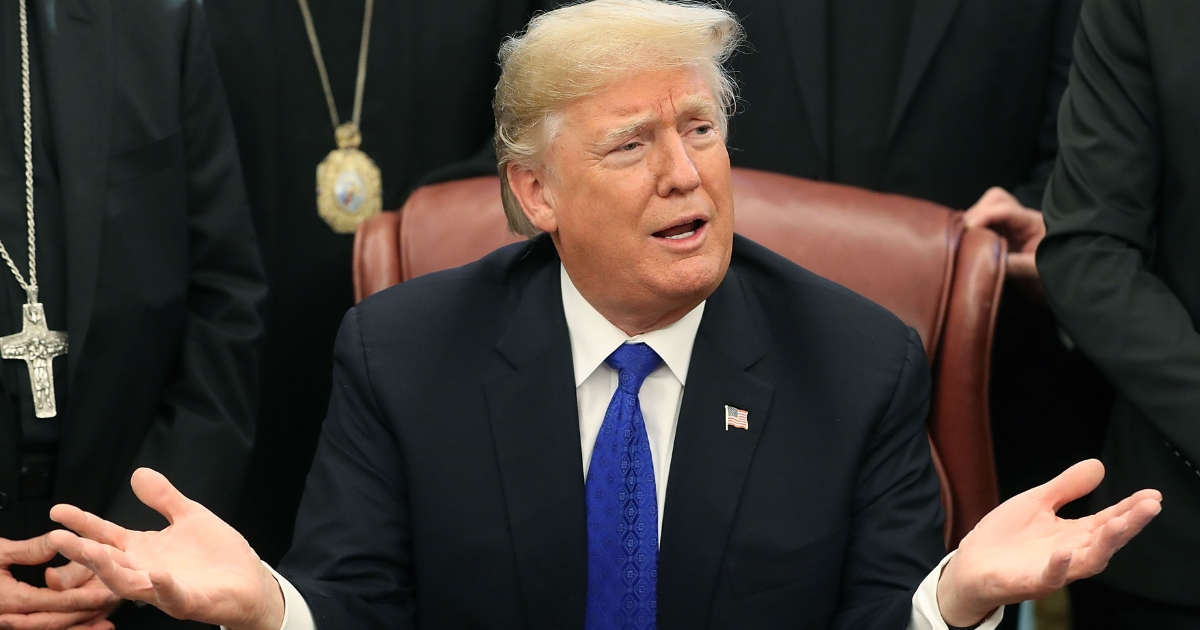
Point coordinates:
[[153, 489], [33, 551], [1073, 483]]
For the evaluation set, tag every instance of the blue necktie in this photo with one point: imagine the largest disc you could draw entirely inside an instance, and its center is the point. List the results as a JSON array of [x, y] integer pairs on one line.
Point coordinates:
[[622, 506]]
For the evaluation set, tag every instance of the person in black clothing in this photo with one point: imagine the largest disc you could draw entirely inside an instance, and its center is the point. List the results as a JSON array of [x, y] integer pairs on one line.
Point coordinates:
[[146, 259], [426, 117], [953, 101], [1118, 262]]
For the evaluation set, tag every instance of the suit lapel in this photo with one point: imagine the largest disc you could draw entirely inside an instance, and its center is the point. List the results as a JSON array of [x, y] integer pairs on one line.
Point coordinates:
[[709, 463], [805, 23], [931, 18], [76, 47], [535, 421]]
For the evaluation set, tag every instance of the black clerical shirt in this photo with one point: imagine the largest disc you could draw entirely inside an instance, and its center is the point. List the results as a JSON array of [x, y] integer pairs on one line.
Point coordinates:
[[16, 398], [866, 48]]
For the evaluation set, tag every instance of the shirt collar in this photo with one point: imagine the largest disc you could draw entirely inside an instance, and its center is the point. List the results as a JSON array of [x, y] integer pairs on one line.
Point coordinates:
[[593, 337]]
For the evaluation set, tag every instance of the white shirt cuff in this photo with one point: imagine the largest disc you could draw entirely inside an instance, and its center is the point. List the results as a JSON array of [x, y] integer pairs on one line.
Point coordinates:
[[926, 615], [296, 614]]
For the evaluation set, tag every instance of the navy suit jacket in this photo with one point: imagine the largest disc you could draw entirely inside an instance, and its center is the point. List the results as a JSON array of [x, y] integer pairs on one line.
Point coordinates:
[[448, 491]]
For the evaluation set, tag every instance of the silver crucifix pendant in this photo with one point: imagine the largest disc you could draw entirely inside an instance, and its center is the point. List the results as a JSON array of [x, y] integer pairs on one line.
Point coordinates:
[[37, 346]]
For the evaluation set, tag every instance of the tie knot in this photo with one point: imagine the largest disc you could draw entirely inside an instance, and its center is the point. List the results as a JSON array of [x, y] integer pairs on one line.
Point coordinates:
[[633, 363]]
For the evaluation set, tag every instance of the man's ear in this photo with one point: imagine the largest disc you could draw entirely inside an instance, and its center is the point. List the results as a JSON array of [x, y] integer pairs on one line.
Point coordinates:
[[529, 187]]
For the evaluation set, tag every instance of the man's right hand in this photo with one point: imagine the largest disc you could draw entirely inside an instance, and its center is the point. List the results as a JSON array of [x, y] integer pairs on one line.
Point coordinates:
[[1022, 227], [71, 602], [197, 568]]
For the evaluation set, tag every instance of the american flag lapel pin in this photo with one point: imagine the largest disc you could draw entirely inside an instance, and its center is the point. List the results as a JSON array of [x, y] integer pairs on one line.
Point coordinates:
[[736, 418]]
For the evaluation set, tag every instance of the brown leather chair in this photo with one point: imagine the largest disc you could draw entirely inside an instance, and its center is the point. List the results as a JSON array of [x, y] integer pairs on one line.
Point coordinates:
[[913, 257]]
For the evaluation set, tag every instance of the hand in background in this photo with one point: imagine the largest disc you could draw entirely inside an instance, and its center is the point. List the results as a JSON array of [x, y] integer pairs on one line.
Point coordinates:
[[74, 600], [1022, 550], [1021, 227], [197, 568]]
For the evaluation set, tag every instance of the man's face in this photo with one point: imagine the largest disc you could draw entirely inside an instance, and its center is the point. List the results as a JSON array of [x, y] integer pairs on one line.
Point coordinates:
[[638, 197]]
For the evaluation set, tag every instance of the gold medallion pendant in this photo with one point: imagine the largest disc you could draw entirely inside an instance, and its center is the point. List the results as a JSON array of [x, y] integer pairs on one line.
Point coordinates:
[[349, 185]]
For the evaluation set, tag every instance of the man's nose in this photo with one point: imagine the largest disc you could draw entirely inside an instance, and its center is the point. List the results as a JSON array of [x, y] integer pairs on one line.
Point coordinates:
[[677, 172]]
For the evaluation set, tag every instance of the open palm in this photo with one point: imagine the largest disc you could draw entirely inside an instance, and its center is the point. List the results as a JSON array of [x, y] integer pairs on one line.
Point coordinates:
[[197, 568], [1022, 550]]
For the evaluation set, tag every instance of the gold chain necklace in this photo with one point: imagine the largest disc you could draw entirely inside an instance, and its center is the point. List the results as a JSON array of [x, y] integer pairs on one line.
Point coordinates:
[[349, 184], [36, 344]]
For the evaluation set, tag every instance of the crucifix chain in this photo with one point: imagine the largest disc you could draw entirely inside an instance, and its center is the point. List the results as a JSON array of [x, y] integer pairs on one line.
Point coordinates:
[[31, 287]]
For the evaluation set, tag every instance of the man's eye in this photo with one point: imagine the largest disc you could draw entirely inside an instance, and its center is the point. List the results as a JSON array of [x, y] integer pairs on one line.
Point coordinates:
[[629, 146], [703, 130]]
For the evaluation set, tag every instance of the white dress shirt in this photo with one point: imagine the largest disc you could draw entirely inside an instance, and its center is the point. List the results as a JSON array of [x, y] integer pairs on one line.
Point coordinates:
[[593, 339]]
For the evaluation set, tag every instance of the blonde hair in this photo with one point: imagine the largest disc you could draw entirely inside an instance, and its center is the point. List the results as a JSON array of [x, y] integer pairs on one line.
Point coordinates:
[[580, 49]]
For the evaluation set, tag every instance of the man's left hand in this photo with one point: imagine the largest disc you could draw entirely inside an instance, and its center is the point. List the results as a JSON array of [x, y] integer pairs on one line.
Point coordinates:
[[1022, 550]]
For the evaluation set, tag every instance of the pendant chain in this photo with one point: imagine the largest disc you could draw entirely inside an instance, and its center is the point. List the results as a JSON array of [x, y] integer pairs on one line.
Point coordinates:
[[362, 63], [31, 288]]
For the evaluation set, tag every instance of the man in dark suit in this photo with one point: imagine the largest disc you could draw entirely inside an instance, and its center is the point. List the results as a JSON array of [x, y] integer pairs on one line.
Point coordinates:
[[145, 258], [1120, 262], [432, 62], [765, 424], [953, 101]]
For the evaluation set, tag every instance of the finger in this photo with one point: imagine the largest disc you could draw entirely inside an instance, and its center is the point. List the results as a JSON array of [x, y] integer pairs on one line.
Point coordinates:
[[98, 621], [1114, 534], [153, 489], [99, 625], [1021, 266], [72, 575], [23, 598], [986, 215], [1073, 483], [1127, 504], [44, 620], [31, 552], [103, 624], [84, 551], [117, 576], [1118, 531], [170, 597], [89, 525], [1054, 576], [993, 206], [68, 544]]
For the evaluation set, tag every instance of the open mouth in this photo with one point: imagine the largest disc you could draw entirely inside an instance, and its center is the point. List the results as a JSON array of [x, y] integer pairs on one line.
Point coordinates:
[[681, 231]]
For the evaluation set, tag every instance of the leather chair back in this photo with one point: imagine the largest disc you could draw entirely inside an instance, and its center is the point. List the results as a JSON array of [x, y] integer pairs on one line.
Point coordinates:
[[913, 257]]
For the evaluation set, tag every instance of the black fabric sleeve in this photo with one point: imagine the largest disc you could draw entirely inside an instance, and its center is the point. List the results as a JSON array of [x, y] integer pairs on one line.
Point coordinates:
[[202, 437], [896, 531], [1100, 212], [352, 557], [1030, 193]]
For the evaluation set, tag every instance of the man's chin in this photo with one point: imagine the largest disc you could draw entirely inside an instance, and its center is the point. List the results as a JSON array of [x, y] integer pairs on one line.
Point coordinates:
[[690, 280]]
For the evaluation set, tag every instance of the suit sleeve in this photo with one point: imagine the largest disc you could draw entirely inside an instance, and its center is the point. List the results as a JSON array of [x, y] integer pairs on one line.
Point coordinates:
[[202, 436], [1030, 193], [1100, 213], [896, 527], [352, 557]]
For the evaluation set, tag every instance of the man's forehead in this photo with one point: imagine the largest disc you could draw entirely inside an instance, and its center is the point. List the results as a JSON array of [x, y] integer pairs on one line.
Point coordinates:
[[676, 102], [651, 93]]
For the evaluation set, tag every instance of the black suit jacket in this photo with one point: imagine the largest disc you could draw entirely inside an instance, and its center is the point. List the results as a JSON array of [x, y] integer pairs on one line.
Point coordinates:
[[1121, 266], [979, 86], [447, 490], [163, 277]]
